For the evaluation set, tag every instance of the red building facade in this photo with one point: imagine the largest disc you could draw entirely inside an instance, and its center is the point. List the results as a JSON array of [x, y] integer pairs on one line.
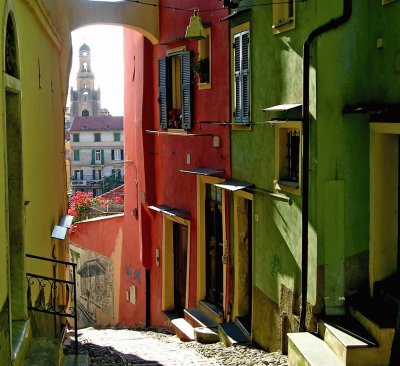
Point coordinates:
[[176, 229]]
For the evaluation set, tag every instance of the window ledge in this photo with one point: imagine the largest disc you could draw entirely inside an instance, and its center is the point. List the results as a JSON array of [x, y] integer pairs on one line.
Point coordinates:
[[241, 126], [283, 26], [286, 186], [202, 86]]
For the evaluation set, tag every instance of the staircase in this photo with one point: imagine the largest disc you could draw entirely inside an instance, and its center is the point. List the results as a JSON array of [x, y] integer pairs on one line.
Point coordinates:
[[364, 337], [205, 325]]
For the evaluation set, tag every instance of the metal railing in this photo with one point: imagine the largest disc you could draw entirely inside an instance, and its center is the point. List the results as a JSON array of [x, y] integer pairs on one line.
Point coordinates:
[[38, 284]]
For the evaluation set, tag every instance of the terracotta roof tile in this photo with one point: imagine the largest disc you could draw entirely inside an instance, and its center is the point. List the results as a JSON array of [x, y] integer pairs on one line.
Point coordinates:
[[100, 123]]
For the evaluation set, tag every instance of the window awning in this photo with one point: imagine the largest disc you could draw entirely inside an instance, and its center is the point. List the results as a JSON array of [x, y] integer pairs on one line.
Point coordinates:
[[170, 211], [283, 107], [202, 171], [234, 185]]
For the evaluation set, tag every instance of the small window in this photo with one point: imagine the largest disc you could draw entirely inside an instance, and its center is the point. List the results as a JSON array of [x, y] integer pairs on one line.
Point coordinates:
[[97, 157], [97, 137], [241, 76], [288, 162], [75, 137], [283, 16], [76, 155], [202, 66], [117, 137], [85, 113], [117, 154], [175, 91]]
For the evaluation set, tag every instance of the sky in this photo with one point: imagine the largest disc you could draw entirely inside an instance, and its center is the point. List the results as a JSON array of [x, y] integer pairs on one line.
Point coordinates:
[[105, 44]]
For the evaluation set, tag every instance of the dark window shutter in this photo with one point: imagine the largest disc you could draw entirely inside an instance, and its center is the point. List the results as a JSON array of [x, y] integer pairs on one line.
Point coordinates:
[[112, 154], [102, 156], [237, 78], [186, 89], [81, 174], [93, 157], [245, 77], [122, 154], [99, 174], [162, 92], [113, 172], [94, 174]]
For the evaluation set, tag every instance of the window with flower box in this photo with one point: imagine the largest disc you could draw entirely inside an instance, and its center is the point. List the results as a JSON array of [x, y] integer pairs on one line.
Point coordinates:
[[175, 91]]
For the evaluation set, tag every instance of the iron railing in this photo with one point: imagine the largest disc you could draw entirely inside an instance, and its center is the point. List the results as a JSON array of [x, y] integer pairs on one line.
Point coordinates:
[[39, 283]]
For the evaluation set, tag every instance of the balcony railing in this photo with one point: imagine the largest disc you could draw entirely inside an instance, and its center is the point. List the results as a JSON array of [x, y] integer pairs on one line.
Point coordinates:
[[56, 289]]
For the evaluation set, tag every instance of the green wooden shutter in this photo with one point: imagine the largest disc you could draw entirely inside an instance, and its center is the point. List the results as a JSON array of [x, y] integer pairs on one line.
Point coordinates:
[[94, 174], [162, 92], [122, 154], [93, 157], [237, 101], [245, 77], [112, 154], [241, 46], [113, 172], [102, 156], [81, 174], [186, 90]]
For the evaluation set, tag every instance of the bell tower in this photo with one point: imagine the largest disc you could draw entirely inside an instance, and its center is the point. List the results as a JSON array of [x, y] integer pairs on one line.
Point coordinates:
[[85, 101]]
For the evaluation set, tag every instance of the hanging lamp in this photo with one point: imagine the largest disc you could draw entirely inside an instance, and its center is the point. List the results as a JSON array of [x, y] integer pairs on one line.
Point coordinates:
[[195, 29]]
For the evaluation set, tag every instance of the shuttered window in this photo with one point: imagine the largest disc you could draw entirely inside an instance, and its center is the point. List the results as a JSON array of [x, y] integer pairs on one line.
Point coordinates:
[[241, 48], [175, 91], [76, 155]]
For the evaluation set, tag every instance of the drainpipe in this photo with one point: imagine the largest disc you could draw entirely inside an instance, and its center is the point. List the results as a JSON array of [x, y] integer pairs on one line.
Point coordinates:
[[332, 24]]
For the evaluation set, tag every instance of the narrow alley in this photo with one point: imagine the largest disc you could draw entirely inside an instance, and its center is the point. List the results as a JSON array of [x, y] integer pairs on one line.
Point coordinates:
[[152, 347]]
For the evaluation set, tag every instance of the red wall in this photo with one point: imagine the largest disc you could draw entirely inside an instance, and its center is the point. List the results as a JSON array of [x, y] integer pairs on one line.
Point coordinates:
[[153, 176]]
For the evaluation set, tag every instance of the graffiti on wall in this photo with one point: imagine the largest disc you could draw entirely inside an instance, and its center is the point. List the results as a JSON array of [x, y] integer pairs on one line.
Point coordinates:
[[132, 274], [95, 277]]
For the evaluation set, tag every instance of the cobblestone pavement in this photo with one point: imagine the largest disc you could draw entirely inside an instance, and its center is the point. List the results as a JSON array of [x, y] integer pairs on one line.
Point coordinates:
[[150, 347]]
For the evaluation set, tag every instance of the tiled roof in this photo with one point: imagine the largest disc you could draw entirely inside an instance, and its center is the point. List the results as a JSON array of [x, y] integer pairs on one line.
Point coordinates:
[[100, 123]]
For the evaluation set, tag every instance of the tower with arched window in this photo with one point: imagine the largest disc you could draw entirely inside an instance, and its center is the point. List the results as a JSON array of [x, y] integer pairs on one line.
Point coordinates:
[[85, 100]]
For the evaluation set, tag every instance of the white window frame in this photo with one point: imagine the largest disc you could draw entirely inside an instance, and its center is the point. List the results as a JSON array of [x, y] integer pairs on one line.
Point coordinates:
[[97, 156]]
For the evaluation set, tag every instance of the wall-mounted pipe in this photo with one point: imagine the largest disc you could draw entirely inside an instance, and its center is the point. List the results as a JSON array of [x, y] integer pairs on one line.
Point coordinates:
[[332, 24]]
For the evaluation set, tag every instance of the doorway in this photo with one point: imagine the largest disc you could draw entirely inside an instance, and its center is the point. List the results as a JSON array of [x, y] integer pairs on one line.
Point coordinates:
[[243, 263], [214, 245], [180, 239]]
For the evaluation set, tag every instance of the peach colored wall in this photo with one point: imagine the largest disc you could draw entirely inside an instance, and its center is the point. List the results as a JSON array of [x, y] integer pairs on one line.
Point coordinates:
[[104, 236]]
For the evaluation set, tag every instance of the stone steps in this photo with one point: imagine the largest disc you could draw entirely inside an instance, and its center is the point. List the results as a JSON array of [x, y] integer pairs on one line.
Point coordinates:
[[338, 346], [308, 350], [231, 334]]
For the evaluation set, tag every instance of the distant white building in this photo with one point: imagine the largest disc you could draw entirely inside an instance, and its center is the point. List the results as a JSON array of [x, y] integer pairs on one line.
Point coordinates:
[[96, 138], [97, 153]]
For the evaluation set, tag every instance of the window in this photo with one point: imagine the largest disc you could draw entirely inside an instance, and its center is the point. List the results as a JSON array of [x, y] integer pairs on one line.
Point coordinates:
[[117, 154], [175, 91], [78, 174], [241, 75], [203, 65], [85, 113], [97, 157], [117, 137], [75, 137], [76, 155], [97, 137], [96, 174], [282, 16], [288, 162]]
